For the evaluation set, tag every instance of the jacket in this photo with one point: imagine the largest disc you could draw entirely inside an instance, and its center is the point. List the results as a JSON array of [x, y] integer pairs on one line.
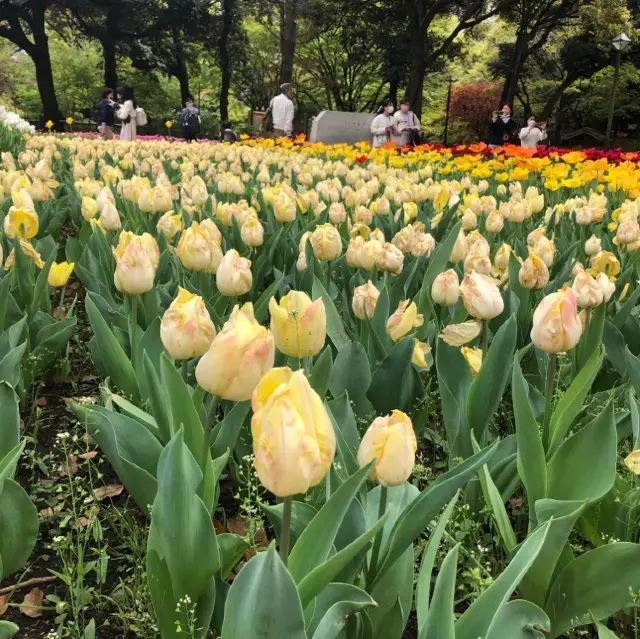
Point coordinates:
[[501, 132], [403, 136], [378, 129], [105, 113], [282, 113], [531, 136]]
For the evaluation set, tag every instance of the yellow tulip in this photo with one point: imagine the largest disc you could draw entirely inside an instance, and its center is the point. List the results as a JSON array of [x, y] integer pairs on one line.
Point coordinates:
[[21, 223], [89, 208], [368, 253], [632, 462], [21, 198], [105, 196], [252, 232], [494, 222], [556, 327], [481, 296], [337, 213], [461, 334], [587, 290], [460, 249], [212, 228], [391, 442], [533, 272], [593, 246], [404, 319], [326, 242], [30, 252], [136, 263], [238, 357], [420, 350], [607, 263], [170, 224], [69, 120], [233, 276], [390, 259], [293, 438], [473, 357], [60, 273], [364, 301], [40, 192], [186, 329], [607, 286], [49, 124], [284, 207], [196, 251], [299, 325], [410, 211]]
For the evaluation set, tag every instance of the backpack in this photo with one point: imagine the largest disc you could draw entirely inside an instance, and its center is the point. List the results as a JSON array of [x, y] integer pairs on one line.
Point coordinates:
[[190, 121], [141, 117], [267, 123]]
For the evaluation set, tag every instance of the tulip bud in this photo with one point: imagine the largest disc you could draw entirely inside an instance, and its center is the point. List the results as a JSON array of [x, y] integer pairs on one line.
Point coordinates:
[[404, 239], [592, 246], [545, 249], [105, 195], [382, 206], [556, 327], [390, 259], [587, 290], [196, 250], [233, 276], [445, 289], [337, 213], [252, 232], [404, 319], [495, 222], [353, 252], [364, 301], [293, 438], [59, 274], [21, 223], [301, 262], [186, 329], [212, 229], [284, 207], [460, 334], [424, 244], [109, 217], [607, 286], [89, 208], [501, 190], [473, 357], [326, 242], [533, 272], [368, 254], [410, 211], [481, 296], [169, 224], [535, 235], [239, 356], [460, 249], [583, 216], [469, 220], [136, 263], [299, 326], [627, 232], [391, 441]]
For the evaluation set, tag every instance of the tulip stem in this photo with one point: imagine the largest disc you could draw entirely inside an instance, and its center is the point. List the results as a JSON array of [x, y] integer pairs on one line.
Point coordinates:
[[382, 507], [208, 427], [63, 293], [485, 338], [285, 537], [185, 370], [134, 326], [548, 400]]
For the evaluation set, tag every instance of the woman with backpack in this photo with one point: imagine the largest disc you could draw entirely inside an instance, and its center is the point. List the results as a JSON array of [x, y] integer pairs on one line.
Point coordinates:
[[127, 113]]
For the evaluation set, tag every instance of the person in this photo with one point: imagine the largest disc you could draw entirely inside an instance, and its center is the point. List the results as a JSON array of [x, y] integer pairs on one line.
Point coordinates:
[[384, 125], [282, 112], [127, 113], [190, 121], [227, 134], [533, 133], [407, 125], [105, 108], [502, 129]]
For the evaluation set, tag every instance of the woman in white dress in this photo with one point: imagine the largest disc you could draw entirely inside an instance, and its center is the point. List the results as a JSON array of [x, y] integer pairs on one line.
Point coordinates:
[[384, 125], [127, 113]]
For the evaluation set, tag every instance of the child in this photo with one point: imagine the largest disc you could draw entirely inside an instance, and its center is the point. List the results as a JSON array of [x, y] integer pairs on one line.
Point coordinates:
[[105, 114]]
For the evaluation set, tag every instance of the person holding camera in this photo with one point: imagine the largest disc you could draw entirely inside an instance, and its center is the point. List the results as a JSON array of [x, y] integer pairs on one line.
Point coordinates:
[[105, 109], [502, 129], [409, 130], [532, 134], [384, 125]]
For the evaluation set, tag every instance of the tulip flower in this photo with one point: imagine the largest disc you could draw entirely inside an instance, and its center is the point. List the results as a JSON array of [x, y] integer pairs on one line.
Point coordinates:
[[605, 262], [212, 228], [197, 251], [556, 327], [136, 263], [593, 246], [239, 356], [391, 442], [89, 208], [28, 250], [445, 289], [368, 253], [534, 273], [105, 195], [632, 462], [608, 287], [284, 207], [293, 438], [170, 224], [460, 334], [110, 218], [420, 350], [337, 213], [299, 325], [404, 319], [326, 242], [364, 301], [49, 124], [390, 259], [186, 329], [59, 274], [252, 232], [481, 296], [460, 249], [587, 290], [21, 223], [233, 276], [494, 222], [545, 249], [473, 356]]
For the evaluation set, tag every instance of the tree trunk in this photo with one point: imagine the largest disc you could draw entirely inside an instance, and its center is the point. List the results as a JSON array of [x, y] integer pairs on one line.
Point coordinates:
[[179, 69], [288, 30], [393, 90], [418, 54], [44, 74], [515, 69], [108, 42], [225, 59], [549, 107]]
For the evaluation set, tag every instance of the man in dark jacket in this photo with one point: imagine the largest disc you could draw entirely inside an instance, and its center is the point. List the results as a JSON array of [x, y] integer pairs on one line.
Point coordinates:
[[105, 114], [190, 121], [503, 128]]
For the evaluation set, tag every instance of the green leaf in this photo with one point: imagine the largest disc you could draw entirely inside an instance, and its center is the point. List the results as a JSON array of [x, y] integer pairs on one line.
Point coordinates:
[[335, 328], [597, 582], [532, 466], [392, 625], [10, 425], [157, 398], [570, 404], [51, 344], [232, 549], [477, 619], [250, 613], [261, 307], [18, 527], [440, 621], [333, 605], [116, 364], [395, 384], [352, 373], [321, 372], [614, 345], [315, 542], [584, 466], [604, 632], [621, 316], [488, 385], [423, 586], [346, 432], [227, 432], [8, 629], [301, 515], [10, 365], [8, 465], [519, 619], [5, 286], [591, 340], [417, 515]]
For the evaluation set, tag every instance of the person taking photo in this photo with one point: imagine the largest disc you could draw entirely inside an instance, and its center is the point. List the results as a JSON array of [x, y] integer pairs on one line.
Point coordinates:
[[384, 125], [502, 129], [534, 133], [409, 130]]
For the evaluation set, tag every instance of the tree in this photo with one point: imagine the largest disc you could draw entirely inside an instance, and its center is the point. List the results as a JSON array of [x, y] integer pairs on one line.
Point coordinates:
[[23, 22], [471, 105]]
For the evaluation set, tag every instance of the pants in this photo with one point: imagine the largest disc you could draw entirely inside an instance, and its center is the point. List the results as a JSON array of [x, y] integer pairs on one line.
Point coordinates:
[[106, 132], [190, 137]]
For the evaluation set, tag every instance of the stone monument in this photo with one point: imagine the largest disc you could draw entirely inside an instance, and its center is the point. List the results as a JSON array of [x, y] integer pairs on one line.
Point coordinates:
[[336, 127]]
